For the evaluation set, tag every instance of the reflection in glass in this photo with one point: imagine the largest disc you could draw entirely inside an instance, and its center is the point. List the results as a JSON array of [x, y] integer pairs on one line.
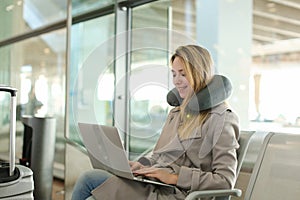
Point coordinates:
[[92, 74], [37, 70], [20, 16], [79, 6], [149, 77]]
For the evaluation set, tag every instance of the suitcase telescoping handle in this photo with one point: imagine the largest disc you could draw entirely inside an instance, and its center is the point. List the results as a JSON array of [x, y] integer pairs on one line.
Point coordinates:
[[13, 106]]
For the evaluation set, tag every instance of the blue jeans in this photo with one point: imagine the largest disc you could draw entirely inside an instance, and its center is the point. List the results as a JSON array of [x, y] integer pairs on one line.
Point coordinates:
[[87, 182]]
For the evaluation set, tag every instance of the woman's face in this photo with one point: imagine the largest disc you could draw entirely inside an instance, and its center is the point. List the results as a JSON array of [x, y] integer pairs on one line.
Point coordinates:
[[179, 78]]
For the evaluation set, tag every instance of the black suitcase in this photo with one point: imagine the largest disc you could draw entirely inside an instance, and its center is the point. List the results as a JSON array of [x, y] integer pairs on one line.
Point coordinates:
[[16, 181]]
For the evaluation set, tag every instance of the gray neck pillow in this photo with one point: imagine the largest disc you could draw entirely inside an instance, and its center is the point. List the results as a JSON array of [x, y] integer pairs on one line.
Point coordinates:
[[215, 93]]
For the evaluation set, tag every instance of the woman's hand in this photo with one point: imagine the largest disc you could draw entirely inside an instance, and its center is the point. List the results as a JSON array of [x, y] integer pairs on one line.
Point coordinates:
[[135, 165], [158, 173]]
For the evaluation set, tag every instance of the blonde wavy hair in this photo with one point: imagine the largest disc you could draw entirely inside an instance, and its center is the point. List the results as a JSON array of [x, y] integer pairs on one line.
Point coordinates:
[[198, 66]]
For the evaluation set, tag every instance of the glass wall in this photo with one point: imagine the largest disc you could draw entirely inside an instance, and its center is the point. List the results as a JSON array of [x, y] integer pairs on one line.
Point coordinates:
[[37, 69], [80, 7], [21, 16], [33, 59], [92, 74], [149, 75], [274, 102]]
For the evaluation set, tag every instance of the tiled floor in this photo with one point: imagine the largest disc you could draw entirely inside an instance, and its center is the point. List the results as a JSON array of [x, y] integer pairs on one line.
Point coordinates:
[[58, 190]]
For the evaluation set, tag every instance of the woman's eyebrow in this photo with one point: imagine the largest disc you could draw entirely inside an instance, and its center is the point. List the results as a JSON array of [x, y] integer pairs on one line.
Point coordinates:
[[180, 70]]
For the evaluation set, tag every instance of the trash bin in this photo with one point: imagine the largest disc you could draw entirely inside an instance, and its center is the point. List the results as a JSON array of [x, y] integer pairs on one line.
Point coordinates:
[[38, 153]]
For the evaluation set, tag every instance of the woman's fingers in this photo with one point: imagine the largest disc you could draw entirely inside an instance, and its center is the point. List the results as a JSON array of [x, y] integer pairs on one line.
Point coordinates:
[[158, 173], [135, 165], [145, 170]]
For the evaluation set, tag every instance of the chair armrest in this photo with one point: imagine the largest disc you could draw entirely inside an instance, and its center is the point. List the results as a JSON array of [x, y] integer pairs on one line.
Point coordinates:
[[214, 193]]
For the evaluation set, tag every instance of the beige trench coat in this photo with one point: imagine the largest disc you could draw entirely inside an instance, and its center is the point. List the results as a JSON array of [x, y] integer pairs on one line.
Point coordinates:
[[207, 160]]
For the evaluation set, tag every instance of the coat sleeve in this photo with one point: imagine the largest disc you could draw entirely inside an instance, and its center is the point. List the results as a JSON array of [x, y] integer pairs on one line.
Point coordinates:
[[223, 161]]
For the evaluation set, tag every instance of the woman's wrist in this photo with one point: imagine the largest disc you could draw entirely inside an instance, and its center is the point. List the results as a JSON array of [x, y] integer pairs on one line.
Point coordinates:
[[174, 179]]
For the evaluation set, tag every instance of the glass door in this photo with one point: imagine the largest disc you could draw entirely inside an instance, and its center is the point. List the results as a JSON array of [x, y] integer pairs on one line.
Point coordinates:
[[92, 74], [149, 75], [157, 29]]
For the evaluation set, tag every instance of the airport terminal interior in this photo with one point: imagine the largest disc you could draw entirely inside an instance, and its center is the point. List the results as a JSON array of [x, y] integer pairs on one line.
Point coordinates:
[[107, 62]]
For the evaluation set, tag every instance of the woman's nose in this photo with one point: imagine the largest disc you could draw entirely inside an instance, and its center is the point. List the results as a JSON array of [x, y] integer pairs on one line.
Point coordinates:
[[177, 79]]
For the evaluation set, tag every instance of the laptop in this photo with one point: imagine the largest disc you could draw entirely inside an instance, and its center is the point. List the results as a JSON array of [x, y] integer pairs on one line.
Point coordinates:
[[106, 151]]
